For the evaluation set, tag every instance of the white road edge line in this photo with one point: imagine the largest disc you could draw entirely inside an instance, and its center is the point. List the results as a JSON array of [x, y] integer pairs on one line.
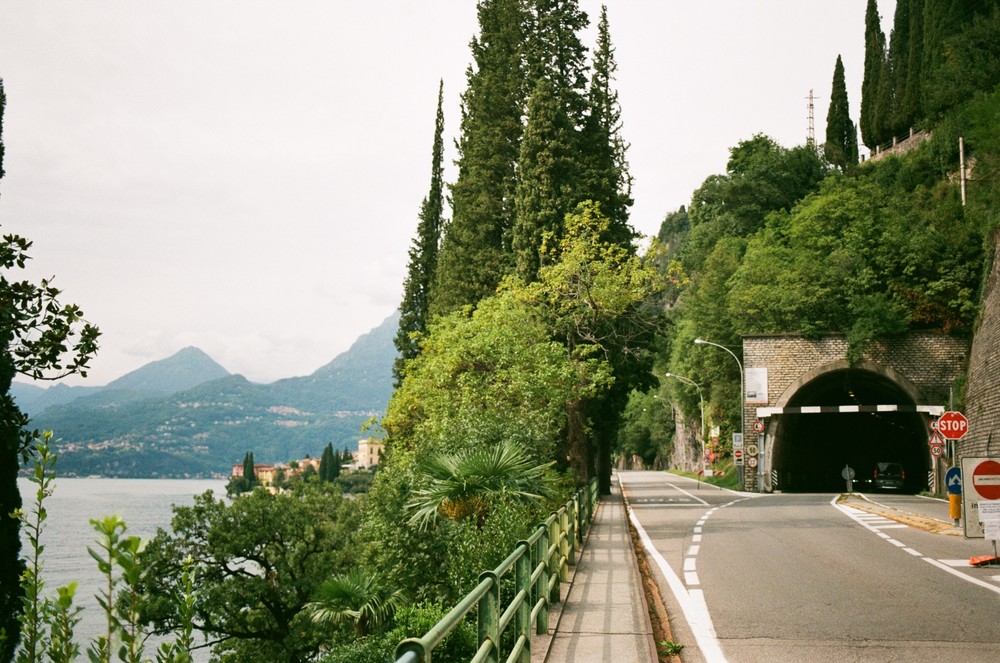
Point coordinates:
[[692, 602]]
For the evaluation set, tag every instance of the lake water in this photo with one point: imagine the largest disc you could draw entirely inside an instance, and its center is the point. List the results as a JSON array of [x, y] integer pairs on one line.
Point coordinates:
[[144, 504]]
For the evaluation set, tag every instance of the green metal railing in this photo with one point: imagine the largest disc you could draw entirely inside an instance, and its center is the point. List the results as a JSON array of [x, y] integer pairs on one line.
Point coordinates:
[[537, 567]]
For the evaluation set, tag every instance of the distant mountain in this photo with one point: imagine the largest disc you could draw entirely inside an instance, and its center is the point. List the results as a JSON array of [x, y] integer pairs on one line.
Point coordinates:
[[185, 369], [133, 428]]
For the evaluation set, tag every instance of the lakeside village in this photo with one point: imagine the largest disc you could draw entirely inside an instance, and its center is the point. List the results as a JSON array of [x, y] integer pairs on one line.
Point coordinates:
[[277, 476]]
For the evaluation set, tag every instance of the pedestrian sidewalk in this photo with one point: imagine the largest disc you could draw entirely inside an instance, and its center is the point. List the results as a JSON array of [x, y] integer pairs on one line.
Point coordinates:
[[603, 616]]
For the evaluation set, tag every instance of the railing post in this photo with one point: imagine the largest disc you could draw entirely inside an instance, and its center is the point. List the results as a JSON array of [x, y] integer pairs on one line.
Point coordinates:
[[541, 550], [489, 617], [571, 520], [564, 545], [553, 559], [522, 581]]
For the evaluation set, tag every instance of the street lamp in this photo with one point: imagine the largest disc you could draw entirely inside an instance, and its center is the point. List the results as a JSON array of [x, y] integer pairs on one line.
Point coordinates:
[[702, 405], [701, 341]]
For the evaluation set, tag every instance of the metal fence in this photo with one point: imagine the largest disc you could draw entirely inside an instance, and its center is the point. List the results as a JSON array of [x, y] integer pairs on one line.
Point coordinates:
[[537, 567]]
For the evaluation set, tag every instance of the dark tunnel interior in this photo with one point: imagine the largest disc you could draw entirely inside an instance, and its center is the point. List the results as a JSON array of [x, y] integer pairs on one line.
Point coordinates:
[[811, 450]]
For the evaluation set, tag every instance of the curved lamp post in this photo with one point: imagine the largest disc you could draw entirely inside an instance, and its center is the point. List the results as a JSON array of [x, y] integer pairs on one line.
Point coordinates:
[[702, 406], [701, 341]]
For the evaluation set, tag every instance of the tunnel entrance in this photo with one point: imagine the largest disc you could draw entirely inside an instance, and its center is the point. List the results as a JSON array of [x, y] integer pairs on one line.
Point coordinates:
[[811, 450]]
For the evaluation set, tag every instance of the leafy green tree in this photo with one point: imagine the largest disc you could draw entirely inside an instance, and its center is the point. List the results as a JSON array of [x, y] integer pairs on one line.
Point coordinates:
[[414, 309], [475, 251], [256, 562], [841, 146], [43, 340], [357, 598], [598, 299], [761, 177]]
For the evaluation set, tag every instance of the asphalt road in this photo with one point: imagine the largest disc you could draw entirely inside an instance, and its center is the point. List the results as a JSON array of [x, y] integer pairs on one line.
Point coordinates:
[[799, 577]]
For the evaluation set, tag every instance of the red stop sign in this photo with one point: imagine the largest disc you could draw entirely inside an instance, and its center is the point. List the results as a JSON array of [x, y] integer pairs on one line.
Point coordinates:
[[986, 479], [953, 425]]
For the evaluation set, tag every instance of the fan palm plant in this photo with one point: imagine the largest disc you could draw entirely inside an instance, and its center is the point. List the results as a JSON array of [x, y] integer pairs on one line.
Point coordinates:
[[354, 598], [463, 485]]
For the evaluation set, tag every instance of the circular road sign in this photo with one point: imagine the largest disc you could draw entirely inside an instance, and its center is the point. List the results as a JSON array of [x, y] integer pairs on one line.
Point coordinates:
[[937, 450], [986, 479], [758, 426], [953, 480], [752, 461], [953, 425]]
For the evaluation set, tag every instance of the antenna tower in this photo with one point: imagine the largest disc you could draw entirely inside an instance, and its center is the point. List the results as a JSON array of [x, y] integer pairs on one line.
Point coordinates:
[[811, 131]]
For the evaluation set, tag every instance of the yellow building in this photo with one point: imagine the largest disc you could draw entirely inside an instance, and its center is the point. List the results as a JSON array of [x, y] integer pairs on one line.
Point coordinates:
[[369, 453]]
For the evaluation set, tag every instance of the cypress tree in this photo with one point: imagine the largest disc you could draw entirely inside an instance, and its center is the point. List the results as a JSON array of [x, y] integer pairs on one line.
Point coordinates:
[[552, 166], [899, 61], [475, 250], [249, 473], [546, 178], [556, 53], [607, 179], [911, 105], [413, 311], [875, 65], [841, 146], [324, 463]]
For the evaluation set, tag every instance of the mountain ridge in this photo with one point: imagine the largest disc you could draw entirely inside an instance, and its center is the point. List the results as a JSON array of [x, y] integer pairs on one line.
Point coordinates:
[[187, 416]]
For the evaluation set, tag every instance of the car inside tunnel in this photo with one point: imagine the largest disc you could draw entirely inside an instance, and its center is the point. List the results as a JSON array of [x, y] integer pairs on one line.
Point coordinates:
[[811, 451]]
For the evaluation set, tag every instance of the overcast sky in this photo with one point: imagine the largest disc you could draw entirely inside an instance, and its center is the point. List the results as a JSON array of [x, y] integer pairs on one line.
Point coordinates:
[[244, 176]]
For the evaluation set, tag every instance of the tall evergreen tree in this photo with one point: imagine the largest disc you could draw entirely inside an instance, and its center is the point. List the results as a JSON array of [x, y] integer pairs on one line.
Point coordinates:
[[552, 167], [556, 53], [910, 106], [547, 176], [899, 61], [607, 178], [325, 462], [872, 86], [841, 147], [414, 309], [249, 472], [475, 251]]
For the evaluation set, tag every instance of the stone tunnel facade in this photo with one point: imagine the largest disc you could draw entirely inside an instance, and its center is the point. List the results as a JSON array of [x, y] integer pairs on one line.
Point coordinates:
[[924, 366]]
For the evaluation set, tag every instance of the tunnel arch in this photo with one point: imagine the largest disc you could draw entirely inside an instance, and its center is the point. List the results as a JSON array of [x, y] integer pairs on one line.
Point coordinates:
[[808, 452]]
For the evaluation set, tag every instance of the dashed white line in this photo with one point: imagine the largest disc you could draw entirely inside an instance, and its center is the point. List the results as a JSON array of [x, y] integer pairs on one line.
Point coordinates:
[[948, 565]]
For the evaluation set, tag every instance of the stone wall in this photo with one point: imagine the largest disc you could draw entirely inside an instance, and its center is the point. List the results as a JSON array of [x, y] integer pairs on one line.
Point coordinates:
[[982, 396]]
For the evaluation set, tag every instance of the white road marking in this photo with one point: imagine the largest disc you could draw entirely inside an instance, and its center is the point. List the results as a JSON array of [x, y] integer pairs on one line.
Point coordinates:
[[693, 550], [691, 579], [955, 562], [963, 576], [943, 564], [692, 602]]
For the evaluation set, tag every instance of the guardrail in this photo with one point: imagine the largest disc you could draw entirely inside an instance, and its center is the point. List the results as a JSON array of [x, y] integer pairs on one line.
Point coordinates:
[[539, 564]]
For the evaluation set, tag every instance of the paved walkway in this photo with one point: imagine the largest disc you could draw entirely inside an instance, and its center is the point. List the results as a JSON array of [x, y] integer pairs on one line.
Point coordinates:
[[603, 616]]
